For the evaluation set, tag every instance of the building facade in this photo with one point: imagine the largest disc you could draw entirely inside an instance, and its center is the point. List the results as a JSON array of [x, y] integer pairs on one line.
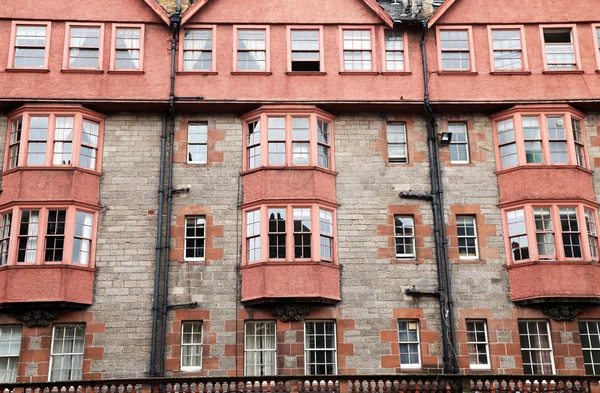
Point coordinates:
[[350, 187]]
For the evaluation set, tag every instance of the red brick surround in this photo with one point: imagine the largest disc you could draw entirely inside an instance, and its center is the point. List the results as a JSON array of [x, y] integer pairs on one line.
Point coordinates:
[[421, 231], [211, 232]]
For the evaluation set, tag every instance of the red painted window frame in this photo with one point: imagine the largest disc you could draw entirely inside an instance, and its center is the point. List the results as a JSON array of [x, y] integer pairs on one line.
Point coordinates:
[[469, 31], [43, 208], [180, 58], [289, 49], [374, 60], [12, 48], [524, 59], [554, 206], [289, 206], [405, 50], [573, 28], [113, 47], [68, 27], [595, 30], [288, 113], [267, 29], [542, 112], [77, 112]]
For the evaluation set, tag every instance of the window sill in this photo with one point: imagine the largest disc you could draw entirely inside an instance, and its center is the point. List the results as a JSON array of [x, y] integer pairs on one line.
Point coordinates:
[[48, 265], [514, 265], [34, 70], [283, 168], [542, 166], [306, 73], [303, 262], [455, 73], [51, 168], [469, 261], [396, 73], [510, 73], [197, 72], [81, 71], [190, 369], [196, 163], [561, 72], [359, 73], [126, 71], [407, 261], [251, 73]]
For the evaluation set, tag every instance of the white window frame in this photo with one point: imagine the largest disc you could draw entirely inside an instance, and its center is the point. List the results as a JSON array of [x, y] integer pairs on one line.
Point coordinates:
[[539, 349], [54, 355], [201, 345], [487, 365], [266, 350], [474, 219], [13, 360], [307, 349], [453, 141], [408, 342], [189, 143], [595, 367], [413, 237], [397, 159], [185, 239], [351, 45]]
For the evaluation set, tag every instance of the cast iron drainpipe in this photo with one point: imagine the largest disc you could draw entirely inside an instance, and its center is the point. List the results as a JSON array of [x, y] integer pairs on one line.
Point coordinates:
[[175, 24], [439, 221], [161, 199]]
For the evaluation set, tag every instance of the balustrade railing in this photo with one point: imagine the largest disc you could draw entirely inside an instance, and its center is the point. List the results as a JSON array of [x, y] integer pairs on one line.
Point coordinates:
[[410, 383]]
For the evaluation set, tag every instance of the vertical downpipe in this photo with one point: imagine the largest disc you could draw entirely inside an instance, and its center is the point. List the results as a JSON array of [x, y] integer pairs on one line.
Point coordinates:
[[159, 246], [448, 340], [175, 24]]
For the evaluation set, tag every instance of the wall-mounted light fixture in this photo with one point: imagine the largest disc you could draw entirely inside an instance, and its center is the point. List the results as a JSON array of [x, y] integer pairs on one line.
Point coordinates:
[[445, 138]]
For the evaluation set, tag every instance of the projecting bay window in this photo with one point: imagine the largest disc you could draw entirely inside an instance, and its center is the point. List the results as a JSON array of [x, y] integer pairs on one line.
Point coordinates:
[[550, 138], [65, 139], [561, 51], [301, 139], [260, 348], [306, 49], [47, 235], [552, 232], [293, 233]]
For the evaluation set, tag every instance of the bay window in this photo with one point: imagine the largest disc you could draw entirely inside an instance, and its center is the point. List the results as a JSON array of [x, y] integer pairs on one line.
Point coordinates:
[[292, 233], [552, 232], [295, 138], [47, 234], [540, 137], [65, 137]]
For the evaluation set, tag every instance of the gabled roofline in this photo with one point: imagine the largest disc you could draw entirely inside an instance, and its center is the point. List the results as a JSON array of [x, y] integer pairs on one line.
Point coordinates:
[[158, 10], [439, 12], [372, 4]]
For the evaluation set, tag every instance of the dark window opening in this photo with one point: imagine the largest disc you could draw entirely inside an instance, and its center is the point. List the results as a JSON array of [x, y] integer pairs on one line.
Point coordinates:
[[558, 36], [306, 66]]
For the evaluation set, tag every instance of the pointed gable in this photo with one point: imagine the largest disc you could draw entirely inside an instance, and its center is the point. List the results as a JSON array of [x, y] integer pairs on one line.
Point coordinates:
[[287, 12], [514, 12], [132, 11]]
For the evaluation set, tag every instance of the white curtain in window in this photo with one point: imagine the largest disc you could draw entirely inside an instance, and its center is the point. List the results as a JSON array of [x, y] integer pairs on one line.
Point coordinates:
[[34, 218]]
